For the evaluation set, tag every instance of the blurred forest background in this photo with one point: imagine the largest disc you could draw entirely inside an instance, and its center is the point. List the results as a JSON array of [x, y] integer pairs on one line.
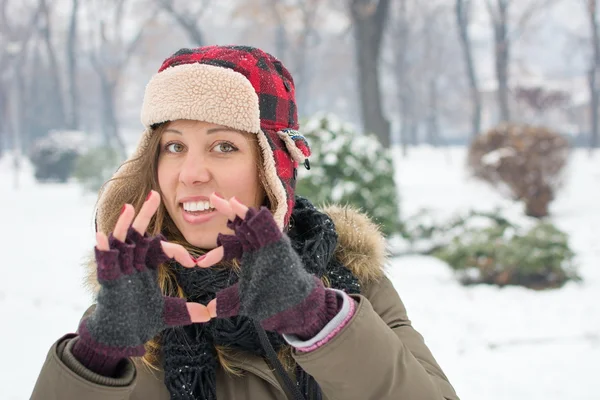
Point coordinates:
[[410, 71], [468, 129]]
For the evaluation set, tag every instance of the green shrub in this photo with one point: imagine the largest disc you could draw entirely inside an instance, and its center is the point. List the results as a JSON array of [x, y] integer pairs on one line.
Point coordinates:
[[501, 253], [54, 156], [349, 168], [95, 167]]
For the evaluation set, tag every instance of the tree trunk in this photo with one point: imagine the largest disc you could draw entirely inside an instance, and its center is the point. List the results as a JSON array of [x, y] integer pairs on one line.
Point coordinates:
[[368, 33], [401, 73], [414, 132], [110, 126], [5, 119], [406, 124], [16, 128], [303, 76], [73, 118], [432, 117], [194, 33], [54, 67], [502, 59], [594, 75], [537, 205], [281, 39], [187, 22], [462, 18], [26, 88], [594, 98]]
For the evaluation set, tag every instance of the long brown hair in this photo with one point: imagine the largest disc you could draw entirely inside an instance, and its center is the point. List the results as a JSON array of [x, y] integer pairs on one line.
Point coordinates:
[[145, 171]]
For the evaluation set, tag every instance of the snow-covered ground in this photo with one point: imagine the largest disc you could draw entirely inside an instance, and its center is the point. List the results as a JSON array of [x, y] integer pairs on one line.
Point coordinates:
[[493, 343]]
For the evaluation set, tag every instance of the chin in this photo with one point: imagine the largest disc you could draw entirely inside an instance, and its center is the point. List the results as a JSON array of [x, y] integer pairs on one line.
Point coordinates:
[[202, 240]]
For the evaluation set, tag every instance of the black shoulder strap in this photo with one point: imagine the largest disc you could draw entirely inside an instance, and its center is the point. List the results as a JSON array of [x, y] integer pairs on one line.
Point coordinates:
[[291, 390]]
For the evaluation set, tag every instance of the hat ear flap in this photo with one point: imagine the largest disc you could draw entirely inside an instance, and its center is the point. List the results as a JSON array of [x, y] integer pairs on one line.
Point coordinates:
[[296, 145]]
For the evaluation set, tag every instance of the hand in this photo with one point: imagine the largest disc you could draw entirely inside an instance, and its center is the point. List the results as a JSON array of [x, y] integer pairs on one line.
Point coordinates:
[[274, 288], [131, 308], [230, 246]]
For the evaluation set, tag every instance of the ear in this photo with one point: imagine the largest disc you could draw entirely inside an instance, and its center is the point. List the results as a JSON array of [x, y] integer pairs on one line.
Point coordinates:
[[297, 146]]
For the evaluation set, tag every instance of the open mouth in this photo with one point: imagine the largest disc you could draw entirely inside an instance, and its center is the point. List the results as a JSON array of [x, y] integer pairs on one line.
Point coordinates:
[[197, 207], [197, 211]]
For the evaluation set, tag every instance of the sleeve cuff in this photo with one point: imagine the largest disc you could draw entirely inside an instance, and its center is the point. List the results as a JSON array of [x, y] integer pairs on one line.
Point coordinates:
[[330, 330], [125, 377]]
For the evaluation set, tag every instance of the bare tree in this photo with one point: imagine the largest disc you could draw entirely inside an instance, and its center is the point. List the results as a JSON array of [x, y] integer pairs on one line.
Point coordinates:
[[540, 100], [188, 17], [292, 41], [279, 11], [463, 10], [45, 30], [369, 20], [594, 72], [403, 83], [500, 15], [433, 53], [109, 54], [71, 50], [15, 36], [298, 45]]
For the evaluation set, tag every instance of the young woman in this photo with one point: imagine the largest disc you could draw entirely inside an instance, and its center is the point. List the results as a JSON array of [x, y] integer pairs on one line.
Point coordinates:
[[214, 281]]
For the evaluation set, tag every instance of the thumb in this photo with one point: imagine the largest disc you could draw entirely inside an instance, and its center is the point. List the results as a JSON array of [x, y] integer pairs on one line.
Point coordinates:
[[198, 312], [227, 302], [178, 312], [212, 308]]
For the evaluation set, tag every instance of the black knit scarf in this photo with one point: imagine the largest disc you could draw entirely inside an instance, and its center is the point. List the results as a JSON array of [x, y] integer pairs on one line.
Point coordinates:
[[190, 360]]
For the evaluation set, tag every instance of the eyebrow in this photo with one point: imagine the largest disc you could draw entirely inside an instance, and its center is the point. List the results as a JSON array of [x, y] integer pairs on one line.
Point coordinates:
[[208, 132]]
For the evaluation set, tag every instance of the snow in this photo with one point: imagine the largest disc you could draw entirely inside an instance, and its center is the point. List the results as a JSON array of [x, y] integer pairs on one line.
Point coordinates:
[[493, 343], [494, 157]]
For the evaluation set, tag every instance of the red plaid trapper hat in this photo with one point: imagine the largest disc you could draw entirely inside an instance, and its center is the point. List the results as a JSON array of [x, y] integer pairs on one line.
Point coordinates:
[[240, 87]]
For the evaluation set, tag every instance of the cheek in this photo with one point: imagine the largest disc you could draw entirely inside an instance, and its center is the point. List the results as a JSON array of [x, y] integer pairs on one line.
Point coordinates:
[[167, 179], [244, 184]]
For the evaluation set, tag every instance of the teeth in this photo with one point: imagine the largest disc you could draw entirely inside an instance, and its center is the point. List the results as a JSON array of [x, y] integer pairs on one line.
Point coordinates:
[[197, 206]]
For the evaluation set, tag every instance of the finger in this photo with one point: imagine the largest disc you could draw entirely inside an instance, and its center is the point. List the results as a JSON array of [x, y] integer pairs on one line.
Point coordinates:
[[238, 208], [179, 253], [222, 206], [124, 222], [198, 312], [212, 308], [211, 258], [146, 213], [102, 242]]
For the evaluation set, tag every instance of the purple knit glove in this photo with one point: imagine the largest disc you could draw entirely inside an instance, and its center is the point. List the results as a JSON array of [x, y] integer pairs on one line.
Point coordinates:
[[232, 246], [274, 288], [131, 308]]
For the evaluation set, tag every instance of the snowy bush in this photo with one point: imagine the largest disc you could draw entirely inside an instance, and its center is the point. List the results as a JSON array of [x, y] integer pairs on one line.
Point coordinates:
[[524, 162], [349, 168], [95, 167], [487, 248], [54, 155]]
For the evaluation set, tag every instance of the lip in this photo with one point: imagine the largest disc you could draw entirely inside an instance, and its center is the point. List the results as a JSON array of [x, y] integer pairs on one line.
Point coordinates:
[[192, 198], [197, 219]]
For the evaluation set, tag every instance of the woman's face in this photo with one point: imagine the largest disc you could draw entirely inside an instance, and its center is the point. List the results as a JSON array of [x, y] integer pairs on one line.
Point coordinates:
[[197, 159]]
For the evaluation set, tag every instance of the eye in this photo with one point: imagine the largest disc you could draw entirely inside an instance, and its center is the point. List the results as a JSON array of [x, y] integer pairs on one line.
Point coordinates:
[[225, 147], [174, 147]]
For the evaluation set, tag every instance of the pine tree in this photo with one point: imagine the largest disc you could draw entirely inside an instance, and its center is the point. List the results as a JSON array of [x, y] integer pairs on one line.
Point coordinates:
[[350, 168]]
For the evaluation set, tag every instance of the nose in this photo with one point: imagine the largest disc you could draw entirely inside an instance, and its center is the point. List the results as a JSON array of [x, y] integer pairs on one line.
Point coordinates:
[[194, 170]]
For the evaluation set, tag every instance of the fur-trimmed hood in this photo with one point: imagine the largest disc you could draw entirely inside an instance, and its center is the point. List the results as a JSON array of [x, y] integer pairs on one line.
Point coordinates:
[[361, 246]]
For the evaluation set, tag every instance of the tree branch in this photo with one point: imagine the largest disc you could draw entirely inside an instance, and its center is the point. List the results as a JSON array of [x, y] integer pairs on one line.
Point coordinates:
[[492, 11], [130, 48], [189, 24], [380, 16], [530, 12]]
